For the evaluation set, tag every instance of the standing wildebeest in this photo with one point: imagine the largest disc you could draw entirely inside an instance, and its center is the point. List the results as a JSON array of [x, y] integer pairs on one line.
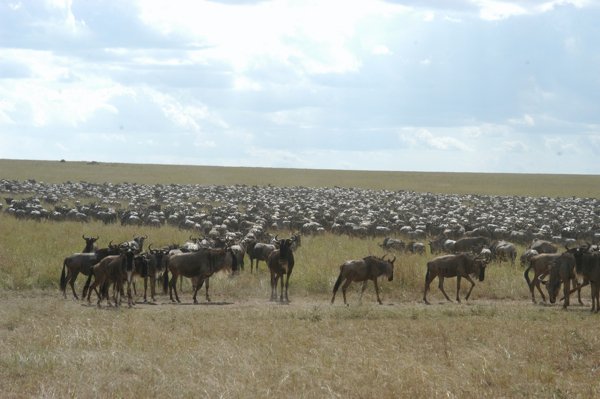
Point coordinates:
[[504, 251], [459, 265], [82, 263], [541, 267], [258, 251], [587, 264], [281, 262], [112, 270], [198, 266], [90, 244], [365, 269]]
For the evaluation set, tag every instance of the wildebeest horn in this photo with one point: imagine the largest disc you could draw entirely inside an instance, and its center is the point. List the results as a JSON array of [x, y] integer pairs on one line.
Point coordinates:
[[97, 238], [110, 244], [83, 236], [150, 247], [383, 257], [393, 260]]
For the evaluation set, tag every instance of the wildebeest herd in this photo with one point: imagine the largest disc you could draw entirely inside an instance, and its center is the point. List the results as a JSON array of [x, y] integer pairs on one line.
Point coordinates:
[[233, 221]]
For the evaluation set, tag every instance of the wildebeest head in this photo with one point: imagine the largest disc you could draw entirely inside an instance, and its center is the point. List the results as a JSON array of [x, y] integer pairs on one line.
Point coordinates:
[[89, 243], [480, 263], [389, 267]]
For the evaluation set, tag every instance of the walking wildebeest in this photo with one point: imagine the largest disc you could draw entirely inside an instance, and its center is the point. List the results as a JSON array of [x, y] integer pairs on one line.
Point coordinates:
[[365, 269], [470, 244], [587, 264], [198, 266], [281, 262], [459, 265]]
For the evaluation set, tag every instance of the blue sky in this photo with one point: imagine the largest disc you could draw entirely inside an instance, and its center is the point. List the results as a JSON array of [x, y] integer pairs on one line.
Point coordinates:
[[434, 85]]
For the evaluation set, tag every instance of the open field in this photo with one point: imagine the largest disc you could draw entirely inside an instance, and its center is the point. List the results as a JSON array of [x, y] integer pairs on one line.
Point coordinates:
[[498, 344], [584, 186]]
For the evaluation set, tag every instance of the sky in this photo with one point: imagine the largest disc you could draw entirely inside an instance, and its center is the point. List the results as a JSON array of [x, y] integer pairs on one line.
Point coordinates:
[[429, 85]]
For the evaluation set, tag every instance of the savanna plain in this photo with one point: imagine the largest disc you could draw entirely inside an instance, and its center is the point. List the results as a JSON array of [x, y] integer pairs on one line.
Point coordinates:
[[497, 344]]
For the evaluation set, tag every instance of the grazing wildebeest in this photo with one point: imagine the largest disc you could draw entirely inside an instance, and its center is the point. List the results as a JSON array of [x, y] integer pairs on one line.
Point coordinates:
[[392, 244], [258, 251], [543, 247], [562, 270], [437, 246], [470, 244], [90, 244], [459, 265], [504, 251], [281, 262], [112, 270], [541, 267], [198, 266], [365, 269]]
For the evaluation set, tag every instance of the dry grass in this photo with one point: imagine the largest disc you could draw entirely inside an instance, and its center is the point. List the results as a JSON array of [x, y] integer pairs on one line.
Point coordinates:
[[497, 345]]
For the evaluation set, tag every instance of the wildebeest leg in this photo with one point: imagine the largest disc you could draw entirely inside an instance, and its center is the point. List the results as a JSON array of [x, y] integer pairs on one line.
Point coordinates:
[[458, 278], [197, 287], [71, 279], [362, 290], [536, 283], [595, 297], [470, 289], [145, 289], [428, 280], [207, 285], [152, 287], [441, 287], [273, 286], [287, 283], [566, 290], [344, 288], [173, 288], [376, 291]]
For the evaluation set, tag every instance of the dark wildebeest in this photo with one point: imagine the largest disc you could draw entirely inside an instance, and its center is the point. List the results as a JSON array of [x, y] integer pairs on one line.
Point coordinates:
[[365, 269], [543, 247], [471, 244], [281, 262], [296, 241], [112, 270], [82, 263], [90, 244], [198, 266], [540, 264], [459, 266], [587, 264], [562, 270], [155, 267], [258, 251]]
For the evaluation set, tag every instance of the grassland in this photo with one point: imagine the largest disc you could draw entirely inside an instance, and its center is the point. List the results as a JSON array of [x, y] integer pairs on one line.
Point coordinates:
[[498, 344]]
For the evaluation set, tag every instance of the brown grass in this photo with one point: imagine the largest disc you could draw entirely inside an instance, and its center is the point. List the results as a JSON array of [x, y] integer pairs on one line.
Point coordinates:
[[497, 345]]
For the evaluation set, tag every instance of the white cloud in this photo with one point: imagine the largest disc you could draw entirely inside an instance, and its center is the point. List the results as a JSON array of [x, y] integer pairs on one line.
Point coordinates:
[[515, 146], [381, 49], [526, 120], [424, 137]]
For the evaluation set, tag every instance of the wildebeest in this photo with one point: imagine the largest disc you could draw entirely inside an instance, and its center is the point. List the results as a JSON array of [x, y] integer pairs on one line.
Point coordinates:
[[527, 255], [562, 270], [90, 244], [540, 264], [504, 250], [258, 251], [281, 263], [587, 264], [459, 266], [365, 269], [198, 266], [470, 244], [82, 263], [112, 270], [393, 244], [543, 247]]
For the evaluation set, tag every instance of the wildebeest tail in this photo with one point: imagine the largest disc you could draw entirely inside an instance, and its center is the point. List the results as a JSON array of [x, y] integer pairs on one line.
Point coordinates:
[[338, 281], [63, 277], [526, 274]]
